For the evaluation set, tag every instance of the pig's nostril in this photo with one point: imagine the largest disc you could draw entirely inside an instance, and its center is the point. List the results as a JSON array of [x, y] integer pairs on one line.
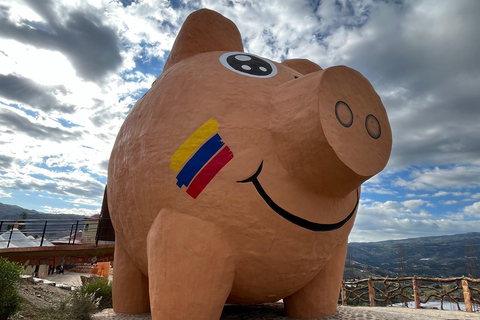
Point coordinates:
[[373, 126], [344, 114]]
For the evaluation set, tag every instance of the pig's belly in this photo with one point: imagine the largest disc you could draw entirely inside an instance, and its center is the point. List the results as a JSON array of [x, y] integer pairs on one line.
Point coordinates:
[[263, 280]]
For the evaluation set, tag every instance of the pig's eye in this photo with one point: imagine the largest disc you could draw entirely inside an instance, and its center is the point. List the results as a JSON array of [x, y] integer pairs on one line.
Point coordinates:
[[248, 65]]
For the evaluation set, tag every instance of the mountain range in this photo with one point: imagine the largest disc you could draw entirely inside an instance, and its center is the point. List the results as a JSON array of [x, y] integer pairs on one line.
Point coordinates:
[[59, 225], [441, 256]]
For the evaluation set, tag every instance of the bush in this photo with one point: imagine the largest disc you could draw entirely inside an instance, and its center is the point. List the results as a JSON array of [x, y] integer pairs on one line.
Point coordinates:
[[78, 306], [10, 299], [59, 312], [101, 290], [82, 305]]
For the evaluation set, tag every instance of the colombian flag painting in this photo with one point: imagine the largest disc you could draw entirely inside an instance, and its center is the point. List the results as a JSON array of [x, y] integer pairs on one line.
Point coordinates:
[[200, 158]]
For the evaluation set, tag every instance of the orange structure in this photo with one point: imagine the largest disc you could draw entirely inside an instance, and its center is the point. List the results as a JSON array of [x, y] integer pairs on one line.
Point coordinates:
[[237, 179], [103, 270]]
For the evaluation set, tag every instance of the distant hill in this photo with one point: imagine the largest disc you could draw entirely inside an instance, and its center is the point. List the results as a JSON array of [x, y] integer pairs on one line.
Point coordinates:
[[12, 212], [59, 224], [442, 256]]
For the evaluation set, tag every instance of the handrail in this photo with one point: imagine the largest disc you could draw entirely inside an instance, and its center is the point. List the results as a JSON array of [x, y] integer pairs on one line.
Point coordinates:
[[417, 289], [62, 231]]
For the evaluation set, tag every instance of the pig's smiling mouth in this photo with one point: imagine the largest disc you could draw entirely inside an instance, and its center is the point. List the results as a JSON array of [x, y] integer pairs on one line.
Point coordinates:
[[293, 218]]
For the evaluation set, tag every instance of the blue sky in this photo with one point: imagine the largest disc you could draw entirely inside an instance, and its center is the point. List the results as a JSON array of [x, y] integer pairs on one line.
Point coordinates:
[[71, 70]]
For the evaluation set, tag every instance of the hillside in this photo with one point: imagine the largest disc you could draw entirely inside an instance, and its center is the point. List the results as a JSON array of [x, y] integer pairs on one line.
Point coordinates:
[[59, 224], [12, 212], [442, 256]]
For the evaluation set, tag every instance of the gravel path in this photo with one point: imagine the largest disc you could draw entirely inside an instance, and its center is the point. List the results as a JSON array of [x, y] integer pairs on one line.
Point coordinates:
[[274, 311]]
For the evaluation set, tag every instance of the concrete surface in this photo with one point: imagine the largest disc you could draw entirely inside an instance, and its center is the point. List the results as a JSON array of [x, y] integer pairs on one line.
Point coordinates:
[[274, 311]]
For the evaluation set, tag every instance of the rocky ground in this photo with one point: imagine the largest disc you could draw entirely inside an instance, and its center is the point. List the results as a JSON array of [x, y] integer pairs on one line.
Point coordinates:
[[42, 295], [38, 294]]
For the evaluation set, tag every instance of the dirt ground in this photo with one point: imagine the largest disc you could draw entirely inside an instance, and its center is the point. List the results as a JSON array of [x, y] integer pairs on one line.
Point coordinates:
[[46, 293], [38, 295]]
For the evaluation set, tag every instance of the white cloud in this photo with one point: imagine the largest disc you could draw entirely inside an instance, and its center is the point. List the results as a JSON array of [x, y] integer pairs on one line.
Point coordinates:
[[379, 221], [71, 183], [378, 190], [414, 204], [474, 197], [459, 176], [86, 201], [43, 66], [472, 210], [455, 194], [79, 211], [411, 184], [451, 202], [413, 195], [4, 194]]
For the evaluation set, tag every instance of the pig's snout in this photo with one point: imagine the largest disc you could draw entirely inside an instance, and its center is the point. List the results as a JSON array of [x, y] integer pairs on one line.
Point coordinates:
[[331, 129]]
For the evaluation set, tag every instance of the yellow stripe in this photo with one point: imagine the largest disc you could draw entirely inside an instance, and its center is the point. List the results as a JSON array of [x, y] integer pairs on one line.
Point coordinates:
[[192, 143]]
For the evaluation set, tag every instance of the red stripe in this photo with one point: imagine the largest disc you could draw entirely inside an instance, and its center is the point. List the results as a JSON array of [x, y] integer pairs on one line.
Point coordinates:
[[209, 171]]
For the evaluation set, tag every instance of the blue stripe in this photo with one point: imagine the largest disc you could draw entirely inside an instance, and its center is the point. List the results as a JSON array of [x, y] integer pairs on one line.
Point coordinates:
[[199, 159]]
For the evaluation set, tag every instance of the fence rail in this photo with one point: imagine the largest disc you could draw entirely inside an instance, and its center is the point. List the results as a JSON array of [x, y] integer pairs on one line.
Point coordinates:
[[38, 232], [389, 291]]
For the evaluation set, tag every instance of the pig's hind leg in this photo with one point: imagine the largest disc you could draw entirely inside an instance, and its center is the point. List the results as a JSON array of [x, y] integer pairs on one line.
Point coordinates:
[[130, 285], [320, 296], [191, 268]]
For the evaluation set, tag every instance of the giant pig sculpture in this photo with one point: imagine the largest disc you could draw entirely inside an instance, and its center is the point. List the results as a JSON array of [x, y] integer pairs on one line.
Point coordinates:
[[236, 179]]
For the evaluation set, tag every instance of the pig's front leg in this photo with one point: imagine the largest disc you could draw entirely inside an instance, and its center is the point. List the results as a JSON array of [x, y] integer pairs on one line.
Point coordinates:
[[320, 296], [190, 268]]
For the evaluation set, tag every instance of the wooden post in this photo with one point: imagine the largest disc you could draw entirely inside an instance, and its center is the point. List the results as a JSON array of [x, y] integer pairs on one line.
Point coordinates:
[[344, 294], [416, 293], [466, 296], [371, 292]]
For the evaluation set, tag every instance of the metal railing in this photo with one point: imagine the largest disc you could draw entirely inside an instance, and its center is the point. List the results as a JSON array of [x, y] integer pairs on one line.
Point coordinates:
[[401, 291], [40, 233]]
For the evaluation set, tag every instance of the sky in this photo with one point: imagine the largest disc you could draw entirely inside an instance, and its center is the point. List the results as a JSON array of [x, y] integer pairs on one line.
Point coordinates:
[[70, 71]]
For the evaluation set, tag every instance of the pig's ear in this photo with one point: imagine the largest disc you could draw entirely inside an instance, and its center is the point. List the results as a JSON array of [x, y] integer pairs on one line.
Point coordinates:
[[303, 66], [204, 31]]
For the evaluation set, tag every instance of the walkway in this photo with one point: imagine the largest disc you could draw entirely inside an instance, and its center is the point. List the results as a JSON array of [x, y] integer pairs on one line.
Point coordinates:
[[274, 311]]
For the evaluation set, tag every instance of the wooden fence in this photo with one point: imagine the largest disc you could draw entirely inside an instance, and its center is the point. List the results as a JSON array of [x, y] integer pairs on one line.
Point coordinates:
[[389, 291]]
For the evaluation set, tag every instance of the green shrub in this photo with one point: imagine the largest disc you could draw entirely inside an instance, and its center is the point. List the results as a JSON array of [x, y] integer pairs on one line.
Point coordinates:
[[59, 312], [10, 299], [101, 290], [83, 305], [79, 306]]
